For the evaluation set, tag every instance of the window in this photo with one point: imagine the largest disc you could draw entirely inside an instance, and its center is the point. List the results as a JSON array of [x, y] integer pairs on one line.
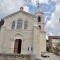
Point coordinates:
[[39, 26], [39, 19], [19, 24], [25, 24], [31, 48], [13, 25]]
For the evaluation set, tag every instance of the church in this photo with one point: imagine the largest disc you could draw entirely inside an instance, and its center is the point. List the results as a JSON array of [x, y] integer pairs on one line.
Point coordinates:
[[23, 33]]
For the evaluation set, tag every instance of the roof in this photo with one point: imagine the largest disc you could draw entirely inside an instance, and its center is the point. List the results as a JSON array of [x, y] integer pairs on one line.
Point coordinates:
[[53, 37], [20, 11]]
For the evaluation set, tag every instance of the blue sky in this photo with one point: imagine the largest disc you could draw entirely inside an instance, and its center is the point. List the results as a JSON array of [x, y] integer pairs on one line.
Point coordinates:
[[51, 9]]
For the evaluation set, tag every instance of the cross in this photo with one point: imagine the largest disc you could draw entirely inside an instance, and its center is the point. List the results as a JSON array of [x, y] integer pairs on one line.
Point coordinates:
[[37, 3]]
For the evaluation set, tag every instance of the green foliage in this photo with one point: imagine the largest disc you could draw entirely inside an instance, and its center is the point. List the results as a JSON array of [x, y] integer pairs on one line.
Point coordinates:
[[1, 22]]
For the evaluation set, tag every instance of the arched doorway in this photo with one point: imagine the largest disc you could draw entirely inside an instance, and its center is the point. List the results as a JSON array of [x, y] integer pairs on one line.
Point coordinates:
[[17, 46]]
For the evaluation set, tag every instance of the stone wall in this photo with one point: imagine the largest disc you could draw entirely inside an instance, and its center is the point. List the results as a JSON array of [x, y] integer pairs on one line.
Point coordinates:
[[16, 57]]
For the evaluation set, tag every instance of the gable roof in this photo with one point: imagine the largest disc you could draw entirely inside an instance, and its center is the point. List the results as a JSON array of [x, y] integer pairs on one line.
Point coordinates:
[[53, 37], [20, 11]]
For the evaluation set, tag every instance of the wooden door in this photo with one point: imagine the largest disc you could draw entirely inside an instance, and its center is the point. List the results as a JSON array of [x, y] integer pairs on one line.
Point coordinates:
[[16, 46]]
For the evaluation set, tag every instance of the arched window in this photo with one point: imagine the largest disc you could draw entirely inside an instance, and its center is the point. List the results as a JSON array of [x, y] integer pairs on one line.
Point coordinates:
[[39, 19], [13, 25], [39, 26], [19, 24], [25, 25]]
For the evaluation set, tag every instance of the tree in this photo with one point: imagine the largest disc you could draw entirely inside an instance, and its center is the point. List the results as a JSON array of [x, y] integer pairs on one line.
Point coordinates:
[[1, 22]]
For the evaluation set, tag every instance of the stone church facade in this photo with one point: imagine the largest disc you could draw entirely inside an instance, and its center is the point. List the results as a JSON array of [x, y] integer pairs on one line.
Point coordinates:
[[23, 33]]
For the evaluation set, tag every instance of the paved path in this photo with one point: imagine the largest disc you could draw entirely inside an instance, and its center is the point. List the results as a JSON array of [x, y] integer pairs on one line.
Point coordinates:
[[52, 57]]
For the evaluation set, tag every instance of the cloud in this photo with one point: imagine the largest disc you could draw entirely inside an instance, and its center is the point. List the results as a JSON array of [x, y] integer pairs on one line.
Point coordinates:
[[10, 6], [40, 1], [53, 26], [55, 0], [26, 8], [43, 1]]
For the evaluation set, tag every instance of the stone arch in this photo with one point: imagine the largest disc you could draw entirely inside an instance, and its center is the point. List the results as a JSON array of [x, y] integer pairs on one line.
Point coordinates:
[[18, 34]]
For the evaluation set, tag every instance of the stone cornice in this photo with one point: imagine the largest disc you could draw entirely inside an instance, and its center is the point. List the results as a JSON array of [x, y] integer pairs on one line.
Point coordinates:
[[18, 30]]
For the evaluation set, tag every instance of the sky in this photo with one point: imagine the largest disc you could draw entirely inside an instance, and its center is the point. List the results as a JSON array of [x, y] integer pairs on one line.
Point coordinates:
[[51, 10]]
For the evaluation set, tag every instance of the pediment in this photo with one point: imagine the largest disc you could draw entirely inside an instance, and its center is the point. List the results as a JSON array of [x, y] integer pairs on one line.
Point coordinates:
[[23, 12]]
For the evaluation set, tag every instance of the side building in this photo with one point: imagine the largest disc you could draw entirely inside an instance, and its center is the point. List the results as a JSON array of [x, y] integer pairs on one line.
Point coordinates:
[[54, 44]]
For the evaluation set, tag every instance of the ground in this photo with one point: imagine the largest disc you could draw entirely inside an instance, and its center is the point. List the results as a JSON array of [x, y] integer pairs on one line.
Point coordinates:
[[52, 57]]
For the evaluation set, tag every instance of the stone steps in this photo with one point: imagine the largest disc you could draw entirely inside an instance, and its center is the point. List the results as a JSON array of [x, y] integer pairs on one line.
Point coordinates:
[[16, 57]]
